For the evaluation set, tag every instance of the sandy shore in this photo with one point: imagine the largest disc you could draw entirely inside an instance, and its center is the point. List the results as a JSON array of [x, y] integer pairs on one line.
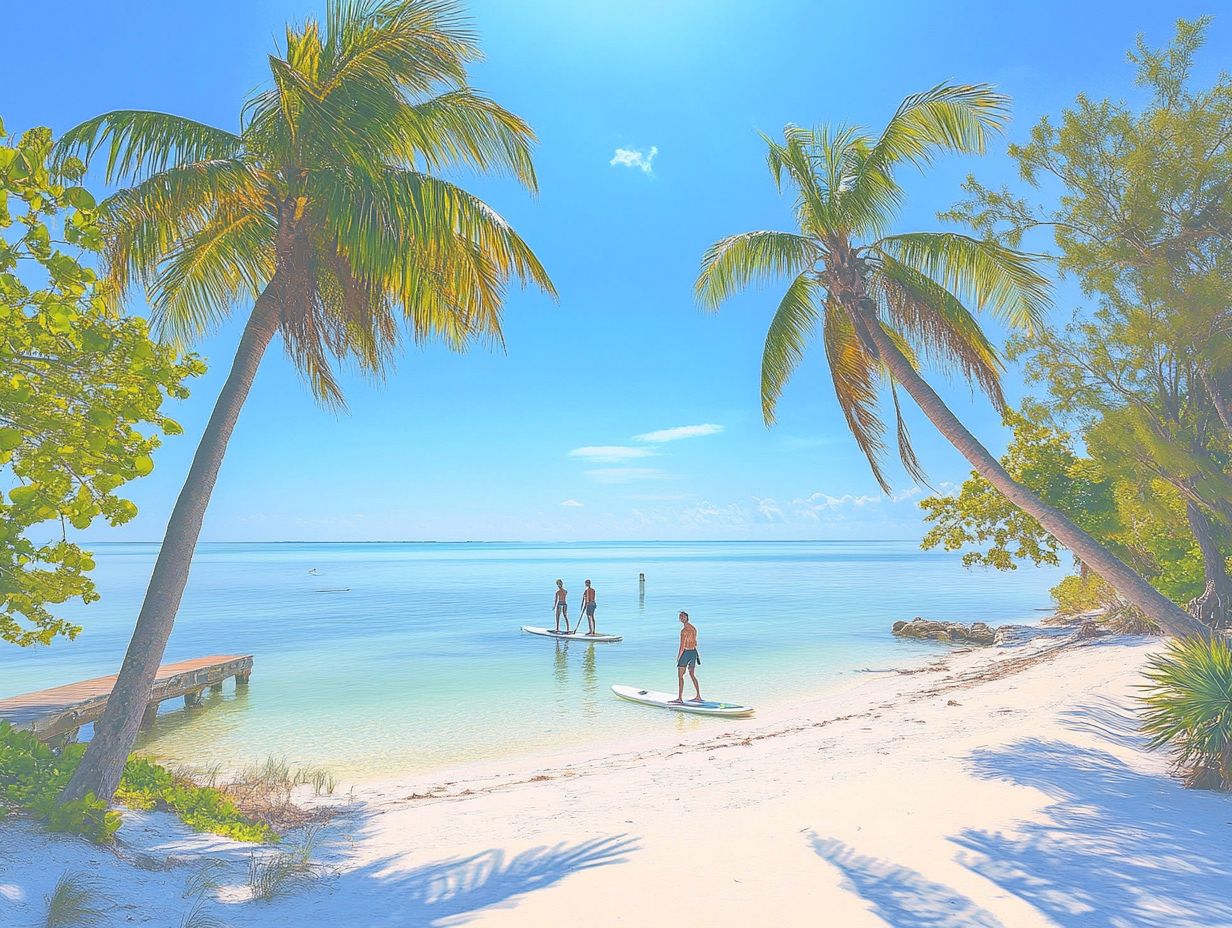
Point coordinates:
[[1000, 787]]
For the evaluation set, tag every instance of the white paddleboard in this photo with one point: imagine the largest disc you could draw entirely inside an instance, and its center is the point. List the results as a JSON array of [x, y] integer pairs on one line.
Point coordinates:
[[568, 636], [667, 701]]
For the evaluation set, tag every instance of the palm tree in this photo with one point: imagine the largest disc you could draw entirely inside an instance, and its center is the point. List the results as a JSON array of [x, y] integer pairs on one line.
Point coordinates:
[[886, 303], [324, 212]]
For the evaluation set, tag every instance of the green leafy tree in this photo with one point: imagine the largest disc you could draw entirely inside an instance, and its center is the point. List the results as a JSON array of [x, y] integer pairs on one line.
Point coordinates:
[[885, 304], [1143, 222], [81, 392], [1143, 522], [324, 211]]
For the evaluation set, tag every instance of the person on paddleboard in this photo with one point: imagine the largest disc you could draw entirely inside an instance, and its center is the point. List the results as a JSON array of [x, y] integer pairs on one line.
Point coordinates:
[[560, 605], [588, 607], [687, 659]]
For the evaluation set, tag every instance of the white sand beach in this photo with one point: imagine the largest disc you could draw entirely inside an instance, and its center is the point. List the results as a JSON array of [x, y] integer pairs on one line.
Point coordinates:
[[1000, 787]]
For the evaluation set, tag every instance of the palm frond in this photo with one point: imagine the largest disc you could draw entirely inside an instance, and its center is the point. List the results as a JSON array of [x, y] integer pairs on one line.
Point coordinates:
[[466, 127], [142, 142], [793, 324], [906, 451], [937, 325], [856, 376], [208, 272], [948, 117], [145, 222], [417, 46], [989, 276], [733, 263]]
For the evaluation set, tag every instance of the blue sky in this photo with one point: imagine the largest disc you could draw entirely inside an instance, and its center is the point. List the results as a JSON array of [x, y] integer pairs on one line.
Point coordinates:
[[647, 114]]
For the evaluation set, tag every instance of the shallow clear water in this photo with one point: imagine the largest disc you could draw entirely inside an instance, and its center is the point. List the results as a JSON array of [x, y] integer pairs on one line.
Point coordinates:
[[420, 663]]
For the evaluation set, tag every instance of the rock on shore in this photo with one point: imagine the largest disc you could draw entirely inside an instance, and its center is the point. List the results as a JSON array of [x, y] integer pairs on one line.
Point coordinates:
[[975, 633]]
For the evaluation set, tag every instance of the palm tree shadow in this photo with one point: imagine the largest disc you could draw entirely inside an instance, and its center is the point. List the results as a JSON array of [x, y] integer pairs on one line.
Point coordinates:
[[1109, 720], [901, 896], [1117, 847], [384, 894]]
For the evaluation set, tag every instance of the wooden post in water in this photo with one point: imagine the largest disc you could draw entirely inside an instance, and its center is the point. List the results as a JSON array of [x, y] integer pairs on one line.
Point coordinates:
[[641, 591]]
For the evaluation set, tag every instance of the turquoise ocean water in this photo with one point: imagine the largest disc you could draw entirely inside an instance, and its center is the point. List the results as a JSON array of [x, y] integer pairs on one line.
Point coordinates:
[[414, 659]]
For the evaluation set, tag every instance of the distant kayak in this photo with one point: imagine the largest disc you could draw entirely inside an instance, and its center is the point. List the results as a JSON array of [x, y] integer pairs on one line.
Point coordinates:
[[569, 636], [667, 701]]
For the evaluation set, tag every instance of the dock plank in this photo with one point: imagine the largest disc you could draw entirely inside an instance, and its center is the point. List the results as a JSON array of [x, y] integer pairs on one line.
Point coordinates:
[[60, 709]]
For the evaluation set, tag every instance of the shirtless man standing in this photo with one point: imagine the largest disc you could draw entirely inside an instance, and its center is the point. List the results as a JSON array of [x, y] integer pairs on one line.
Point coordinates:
[[588, 607], [560, 605], [687, 659]]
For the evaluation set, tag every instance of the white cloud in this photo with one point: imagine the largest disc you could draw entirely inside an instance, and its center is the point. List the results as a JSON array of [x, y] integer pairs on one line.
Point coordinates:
[[811, 506], [680, 431], [573, 504], [610, 453], [624, 474], [635, 158], [768, 509]]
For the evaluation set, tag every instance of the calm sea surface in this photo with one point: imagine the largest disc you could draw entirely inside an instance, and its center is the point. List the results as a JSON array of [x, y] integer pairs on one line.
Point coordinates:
[[381, 658]]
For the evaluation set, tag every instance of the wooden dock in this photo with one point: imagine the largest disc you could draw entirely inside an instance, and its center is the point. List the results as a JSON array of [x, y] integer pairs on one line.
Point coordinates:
[[56, 714]]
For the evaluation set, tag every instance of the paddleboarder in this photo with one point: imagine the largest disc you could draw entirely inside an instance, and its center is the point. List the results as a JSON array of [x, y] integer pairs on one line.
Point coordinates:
[[687, 659], [560, 605], [588, 607]]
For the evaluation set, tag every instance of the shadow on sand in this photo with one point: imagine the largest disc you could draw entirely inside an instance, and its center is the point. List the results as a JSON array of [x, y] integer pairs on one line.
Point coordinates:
[[901, 896], [387, 894], [1117, 847]]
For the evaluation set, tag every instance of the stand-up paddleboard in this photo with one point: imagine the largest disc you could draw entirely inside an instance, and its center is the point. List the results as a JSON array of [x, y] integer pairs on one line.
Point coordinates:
[[568, 636], [667, 701]]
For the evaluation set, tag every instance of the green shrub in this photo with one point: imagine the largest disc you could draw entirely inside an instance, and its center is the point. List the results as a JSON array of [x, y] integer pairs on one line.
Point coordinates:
[[1188, 710], [1077, 594], [32, 775]]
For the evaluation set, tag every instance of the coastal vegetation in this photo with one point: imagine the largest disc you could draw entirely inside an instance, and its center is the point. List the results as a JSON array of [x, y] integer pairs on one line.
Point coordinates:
[[1141, 219], [326, 211], [32, 776], [887, 304], [82, 387], [1188, 710]]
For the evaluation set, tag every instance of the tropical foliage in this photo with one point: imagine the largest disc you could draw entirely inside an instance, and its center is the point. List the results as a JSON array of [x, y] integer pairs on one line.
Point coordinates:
[[1188, 710], [1142, 519], [32, 775], [885, 305], [325, 212], [81, 392], [1142, 222]]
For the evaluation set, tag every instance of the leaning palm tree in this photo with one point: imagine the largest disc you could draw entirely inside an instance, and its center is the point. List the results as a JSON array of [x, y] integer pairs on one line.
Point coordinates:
[[324, 212], [885, 304]]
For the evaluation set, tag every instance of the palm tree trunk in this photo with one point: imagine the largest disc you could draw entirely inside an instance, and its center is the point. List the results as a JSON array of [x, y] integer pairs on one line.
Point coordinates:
[[114, 734], [1222, 408], [1128, 584], [1214, 606]]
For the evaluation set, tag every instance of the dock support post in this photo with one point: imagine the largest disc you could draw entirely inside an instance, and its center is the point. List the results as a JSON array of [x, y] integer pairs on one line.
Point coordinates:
[[192, 699], [216, 687], [64, 739], [241, 679], [147, 718]]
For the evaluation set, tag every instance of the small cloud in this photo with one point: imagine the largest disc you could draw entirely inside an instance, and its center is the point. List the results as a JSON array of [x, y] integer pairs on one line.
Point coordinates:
[[572, 504], [624, 474], [610, 453], [768, 509], [679, 432], [811, 506], [635, 158], [906, 494]]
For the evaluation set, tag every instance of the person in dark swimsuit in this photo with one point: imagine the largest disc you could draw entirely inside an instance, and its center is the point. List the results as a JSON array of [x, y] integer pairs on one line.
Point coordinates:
[[560, 605], [588, 607], [687, 659]]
